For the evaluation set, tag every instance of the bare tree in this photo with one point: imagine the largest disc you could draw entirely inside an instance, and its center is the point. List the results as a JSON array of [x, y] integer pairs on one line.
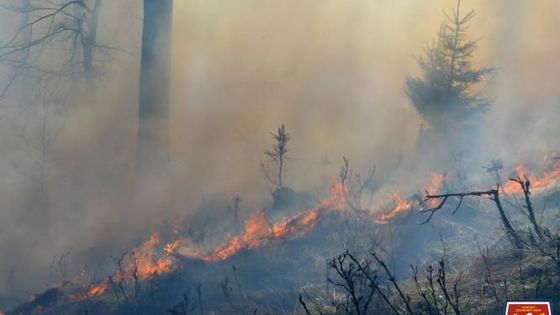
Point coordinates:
[[278, 156], [234, 209], [354, 186], [185, 307], [525, 185], [494, 195], [47, 24], [357, 281]]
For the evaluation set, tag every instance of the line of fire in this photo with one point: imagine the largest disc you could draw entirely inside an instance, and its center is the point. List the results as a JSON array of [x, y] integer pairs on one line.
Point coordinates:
[[279, 157]]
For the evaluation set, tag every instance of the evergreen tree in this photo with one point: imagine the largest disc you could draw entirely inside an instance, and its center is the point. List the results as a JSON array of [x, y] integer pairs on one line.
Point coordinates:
[[444, 94], [278, 156]]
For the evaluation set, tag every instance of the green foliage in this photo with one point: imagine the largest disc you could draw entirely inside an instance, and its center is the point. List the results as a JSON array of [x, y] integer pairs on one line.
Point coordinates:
[[443, 94]]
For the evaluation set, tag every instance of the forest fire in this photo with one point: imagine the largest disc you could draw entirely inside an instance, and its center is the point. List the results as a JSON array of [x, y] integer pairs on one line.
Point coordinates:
[[157, 257], [139, 264], [435, 183], [142, 262], [400, 205], [538, 182], [260, 232], [433, 187], [118, 117]]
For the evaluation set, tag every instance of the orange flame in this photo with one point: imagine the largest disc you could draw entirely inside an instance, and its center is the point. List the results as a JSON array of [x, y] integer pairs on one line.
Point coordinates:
[[96, 289], [435, 183], [538, 182], [259, 232], [142, 263], [400, 205], [434, 187], [145, 265]]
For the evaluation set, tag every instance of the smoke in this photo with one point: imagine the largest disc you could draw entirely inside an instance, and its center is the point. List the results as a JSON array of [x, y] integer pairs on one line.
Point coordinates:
[[332, 71]]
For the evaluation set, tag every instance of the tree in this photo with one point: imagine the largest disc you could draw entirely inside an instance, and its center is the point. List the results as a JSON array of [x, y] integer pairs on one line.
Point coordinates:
[[494, 195], [278, 155], [153, 113], [444, 95], [68, 30], [47, 24]]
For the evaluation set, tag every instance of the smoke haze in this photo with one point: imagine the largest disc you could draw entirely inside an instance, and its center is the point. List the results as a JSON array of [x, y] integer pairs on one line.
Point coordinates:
[[332, 71]]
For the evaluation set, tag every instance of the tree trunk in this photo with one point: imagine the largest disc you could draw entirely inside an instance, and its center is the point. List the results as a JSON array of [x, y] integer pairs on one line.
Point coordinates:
[[152, 155], [91, 39], [514, 237]]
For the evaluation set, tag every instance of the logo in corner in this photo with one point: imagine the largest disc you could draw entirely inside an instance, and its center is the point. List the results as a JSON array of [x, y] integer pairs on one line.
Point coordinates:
[[528, 308]]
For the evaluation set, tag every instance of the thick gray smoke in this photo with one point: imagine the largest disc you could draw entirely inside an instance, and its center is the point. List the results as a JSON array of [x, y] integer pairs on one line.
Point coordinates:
[[332, 71]]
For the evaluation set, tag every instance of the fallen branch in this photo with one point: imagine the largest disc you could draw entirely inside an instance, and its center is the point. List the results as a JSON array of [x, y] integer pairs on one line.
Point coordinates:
[[494, 195]]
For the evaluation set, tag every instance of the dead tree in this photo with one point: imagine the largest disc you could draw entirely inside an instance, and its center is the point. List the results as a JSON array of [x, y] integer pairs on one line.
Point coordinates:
[[404, 298], [428, 291], [361, 284], [494, 195], [451, 299], [45, 27], [45, 24], [435, 292], [117, 281], [357, 281], [185, 307], [234, 209], [353, 185], [278, 156], [525, 185], [488, 276]]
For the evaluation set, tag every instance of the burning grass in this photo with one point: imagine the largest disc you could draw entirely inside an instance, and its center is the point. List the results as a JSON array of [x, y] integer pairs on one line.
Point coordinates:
[[158, 257]]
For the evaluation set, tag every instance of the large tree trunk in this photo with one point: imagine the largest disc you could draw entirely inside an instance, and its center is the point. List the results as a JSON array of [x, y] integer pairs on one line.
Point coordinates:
[[152, 156], [91, 39]]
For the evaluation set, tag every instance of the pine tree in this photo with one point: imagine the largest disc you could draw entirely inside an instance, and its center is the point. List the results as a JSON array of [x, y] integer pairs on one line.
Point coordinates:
[[278, 155], [444, 95]]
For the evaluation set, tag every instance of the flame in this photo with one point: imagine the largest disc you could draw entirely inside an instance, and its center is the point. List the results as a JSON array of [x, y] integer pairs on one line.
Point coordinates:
[[140, 264], [156, 258], [146, 261], [434, 187], [400, 205], [146, 265], [435, 183], [538, 182], [96, 289], [259, 232]]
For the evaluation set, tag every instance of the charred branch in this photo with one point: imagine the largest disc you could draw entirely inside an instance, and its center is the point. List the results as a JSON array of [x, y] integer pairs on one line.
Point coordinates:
[[304, 305], [356, 281], [450, 298], [404, 298], [353, 185], [494, 195], [43, 26], [525, 185]]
